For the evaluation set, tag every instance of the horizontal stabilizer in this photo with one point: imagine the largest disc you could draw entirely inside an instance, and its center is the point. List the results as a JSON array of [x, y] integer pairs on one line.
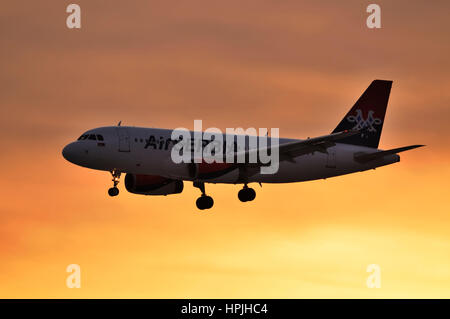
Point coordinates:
[[367, 157]]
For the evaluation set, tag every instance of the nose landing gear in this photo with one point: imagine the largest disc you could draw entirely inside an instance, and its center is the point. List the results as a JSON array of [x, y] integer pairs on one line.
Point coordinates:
[[114, 191], [204, 201], [246, 194]]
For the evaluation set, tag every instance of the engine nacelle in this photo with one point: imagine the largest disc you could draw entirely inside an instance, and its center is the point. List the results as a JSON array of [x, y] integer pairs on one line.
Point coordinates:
[[152, 185]]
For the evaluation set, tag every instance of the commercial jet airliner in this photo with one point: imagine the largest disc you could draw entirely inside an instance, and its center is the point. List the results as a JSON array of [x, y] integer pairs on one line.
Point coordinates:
[[144, 154]]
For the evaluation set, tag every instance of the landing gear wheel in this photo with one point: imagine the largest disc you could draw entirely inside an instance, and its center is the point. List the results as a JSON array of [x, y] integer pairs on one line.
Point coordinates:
[[209, 202], [251, 194], [246, 194], [204, 202], [241, 195], [113, 191]]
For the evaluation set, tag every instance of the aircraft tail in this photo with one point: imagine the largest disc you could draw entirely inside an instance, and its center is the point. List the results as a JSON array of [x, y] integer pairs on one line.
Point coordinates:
[[367, 115]]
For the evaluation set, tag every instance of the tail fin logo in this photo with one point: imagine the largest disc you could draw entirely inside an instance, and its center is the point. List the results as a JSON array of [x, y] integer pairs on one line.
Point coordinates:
[[362, 123]]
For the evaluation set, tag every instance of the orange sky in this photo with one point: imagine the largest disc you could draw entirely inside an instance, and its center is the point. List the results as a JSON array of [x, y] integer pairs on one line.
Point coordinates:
[[296, 65]]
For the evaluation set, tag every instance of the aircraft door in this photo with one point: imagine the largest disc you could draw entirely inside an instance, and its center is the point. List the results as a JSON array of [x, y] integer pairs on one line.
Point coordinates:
[[331, 158], [124, 139]]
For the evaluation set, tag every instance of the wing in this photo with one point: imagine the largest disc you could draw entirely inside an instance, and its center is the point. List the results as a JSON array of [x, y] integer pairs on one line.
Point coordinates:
[[288, 151]]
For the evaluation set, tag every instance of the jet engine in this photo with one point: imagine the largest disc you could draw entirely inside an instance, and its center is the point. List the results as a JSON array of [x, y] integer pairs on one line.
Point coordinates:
[[152, 185]]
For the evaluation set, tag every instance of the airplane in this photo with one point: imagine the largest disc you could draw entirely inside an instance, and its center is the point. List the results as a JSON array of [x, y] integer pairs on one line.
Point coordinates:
[[144, 154]]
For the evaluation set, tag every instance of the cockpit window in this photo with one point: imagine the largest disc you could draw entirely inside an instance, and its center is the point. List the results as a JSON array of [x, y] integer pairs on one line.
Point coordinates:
[[82, 137], [93, 137]]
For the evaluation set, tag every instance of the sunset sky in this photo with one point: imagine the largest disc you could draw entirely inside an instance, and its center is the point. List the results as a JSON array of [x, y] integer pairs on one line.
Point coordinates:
[[296, 65]]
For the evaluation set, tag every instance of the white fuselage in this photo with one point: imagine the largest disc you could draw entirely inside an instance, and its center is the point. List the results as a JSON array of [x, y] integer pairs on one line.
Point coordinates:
[[147, 151]]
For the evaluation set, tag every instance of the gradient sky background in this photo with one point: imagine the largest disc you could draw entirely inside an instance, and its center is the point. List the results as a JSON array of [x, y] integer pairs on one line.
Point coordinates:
[[296, 65]]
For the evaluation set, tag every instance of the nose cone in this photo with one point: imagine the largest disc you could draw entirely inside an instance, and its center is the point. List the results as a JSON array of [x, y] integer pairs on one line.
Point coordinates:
[[70, 153]]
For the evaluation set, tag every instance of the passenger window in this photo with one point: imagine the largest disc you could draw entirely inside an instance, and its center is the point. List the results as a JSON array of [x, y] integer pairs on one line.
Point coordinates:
[[92, 137], [99, 137]]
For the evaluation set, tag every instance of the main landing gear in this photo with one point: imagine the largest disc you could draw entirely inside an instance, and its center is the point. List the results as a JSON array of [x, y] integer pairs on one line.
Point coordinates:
[[204, 201], [114, 191], [246, 194]]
